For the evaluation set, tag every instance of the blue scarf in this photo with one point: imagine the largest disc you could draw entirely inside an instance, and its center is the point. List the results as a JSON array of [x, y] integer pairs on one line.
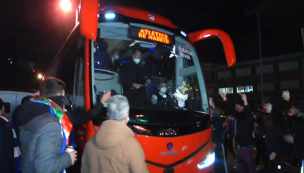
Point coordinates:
[[17, 152]]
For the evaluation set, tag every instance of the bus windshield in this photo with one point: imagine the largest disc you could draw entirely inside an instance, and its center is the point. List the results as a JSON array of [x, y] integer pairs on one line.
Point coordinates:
[[152, 67]]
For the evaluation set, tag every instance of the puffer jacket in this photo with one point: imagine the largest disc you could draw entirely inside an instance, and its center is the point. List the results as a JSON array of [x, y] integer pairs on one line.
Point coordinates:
[[40, 142]]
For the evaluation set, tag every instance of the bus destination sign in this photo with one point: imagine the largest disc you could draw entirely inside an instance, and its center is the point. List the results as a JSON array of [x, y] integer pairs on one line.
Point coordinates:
[[151, 35]]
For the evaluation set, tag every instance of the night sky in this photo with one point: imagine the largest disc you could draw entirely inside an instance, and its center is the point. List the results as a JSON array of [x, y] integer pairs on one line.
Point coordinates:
[[34, 30]]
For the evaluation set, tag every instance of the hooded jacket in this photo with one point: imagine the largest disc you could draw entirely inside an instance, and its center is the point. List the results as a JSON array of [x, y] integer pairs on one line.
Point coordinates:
[[40, 136], [40, 140], [113, 149]]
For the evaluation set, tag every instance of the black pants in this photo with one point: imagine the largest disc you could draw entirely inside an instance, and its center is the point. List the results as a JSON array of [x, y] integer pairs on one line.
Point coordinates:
[[276, 164], [229, 146], [261, 153]]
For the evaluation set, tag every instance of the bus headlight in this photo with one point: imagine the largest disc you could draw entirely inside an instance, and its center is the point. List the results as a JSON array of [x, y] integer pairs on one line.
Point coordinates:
[[208, 161]]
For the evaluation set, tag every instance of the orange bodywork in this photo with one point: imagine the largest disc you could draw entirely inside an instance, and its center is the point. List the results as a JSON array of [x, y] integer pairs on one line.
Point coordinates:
[[223, 36], [153, 146], [89, 18], [139, 14], [188, 150]]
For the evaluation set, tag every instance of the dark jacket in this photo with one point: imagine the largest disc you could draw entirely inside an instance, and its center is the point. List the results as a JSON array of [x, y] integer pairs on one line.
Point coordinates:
[[245, 125], [6, 148], [134, 73], [275, 128], [30, 110], [298, 135], [217, 131]]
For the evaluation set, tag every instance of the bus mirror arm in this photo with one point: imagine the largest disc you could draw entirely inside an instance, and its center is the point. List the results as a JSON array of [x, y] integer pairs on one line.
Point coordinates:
[[89, 18], [223, 36]]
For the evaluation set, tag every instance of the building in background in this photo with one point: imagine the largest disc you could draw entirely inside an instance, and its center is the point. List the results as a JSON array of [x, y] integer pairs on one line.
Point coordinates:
[[279, 73]]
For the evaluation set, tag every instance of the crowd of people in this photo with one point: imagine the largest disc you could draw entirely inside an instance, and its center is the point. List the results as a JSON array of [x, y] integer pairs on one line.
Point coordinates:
[[272, 134], [39, 141], [38, 138]]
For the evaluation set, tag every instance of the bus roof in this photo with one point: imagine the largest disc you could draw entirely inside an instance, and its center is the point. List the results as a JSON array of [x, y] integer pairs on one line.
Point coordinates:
[[139, 14]]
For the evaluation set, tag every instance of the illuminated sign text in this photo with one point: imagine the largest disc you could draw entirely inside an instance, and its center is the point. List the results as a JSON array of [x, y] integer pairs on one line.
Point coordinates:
[[154, 36], [151, 35]]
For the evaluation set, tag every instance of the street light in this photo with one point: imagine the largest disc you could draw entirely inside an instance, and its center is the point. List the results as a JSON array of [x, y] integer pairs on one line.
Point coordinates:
[[66, 5], [40, 76]]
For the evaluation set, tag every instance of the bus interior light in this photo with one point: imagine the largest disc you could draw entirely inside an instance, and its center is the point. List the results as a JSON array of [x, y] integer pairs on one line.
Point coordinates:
[[110, 15], [208, 161], [184, 33]]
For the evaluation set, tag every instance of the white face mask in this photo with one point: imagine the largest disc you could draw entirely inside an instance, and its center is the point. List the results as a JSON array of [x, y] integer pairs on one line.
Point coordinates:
[[136, 60], [116, 57], [269, 108], [163, 90]]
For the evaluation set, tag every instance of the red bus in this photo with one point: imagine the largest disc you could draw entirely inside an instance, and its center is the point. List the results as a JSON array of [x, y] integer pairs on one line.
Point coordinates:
[[175, 137]]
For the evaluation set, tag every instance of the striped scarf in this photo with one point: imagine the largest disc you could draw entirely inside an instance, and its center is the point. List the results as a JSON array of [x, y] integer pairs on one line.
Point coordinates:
[[58, 112], [17, 152]]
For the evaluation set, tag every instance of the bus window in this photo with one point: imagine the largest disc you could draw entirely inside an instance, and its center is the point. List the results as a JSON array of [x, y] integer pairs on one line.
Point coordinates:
[[68, 66], [166, 76]]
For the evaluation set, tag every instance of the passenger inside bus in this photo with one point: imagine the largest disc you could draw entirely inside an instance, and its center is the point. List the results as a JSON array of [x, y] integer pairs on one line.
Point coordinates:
[[102, 57], [115, 61], [134, 79], [161, 97], [143, 69]]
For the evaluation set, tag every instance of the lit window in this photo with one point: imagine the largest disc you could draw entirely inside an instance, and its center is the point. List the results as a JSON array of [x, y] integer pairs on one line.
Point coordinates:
[[228, 90], [244, 89]]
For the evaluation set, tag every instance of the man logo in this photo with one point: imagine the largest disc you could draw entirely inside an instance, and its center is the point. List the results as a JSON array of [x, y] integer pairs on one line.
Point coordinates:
[[151, 17]]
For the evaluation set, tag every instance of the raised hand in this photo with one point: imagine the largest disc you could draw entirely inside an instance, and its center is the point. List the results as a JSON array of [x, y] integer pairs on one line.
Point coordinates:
[[244, 98], [105, 97], [211, 103], [224, 96], [137, 86]]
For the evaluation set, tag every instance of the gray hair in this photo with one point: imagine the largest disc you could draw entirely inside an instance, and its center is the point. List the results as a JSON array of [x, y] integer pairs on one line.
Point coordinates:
[[118, 107]]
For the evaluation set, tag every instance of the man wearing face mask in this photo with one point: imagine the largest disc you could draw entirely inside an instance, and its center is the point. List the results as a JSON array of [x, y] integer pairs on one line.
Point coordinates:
[[115, 63], [134, 79], [161, 99]]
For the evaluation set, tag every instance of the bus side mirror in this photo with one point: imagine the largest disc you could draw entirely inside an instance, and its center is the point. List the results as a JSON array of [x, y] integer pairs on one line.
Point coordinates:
[[223, 36], [89, 18]]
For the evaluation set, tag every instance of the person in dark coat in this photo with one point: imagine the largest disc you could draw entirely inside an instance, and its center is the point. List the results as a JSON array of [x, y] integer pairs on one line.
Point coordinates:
[[115, 61], [102, 58], [24, 100], [295, 128], [229, 135], [220, 165], [259, 140], [161, 99], [244, 130], [6, 144], [134, 79], [275, 128]]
